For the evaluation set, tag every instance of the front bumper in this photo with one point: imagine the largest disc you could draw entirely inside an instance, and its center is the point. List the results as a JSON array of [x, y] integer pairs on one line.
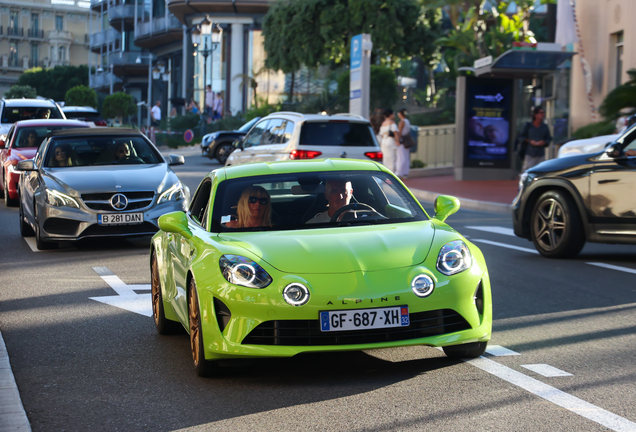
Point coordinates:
[[229, 337], [70, 224]]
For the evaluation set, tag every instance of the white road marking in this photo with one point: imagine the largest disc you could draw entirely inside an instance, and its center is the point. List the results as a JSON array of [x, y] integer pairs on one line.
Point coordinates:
[[613, 267], [31, 242], [556, 396], [546, 370], [505, 245], [494, 230], [126, 297], [12, 414], [498, 351]]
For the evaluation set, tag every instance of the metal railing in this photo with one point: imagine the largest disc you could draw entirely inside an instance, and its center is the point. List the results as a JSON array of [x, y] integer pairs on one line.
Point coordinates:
[[35, 33], [127, 58], [157, 25], [103, 80], [104, 37], [124, 11], [15, 31], [435, 146]]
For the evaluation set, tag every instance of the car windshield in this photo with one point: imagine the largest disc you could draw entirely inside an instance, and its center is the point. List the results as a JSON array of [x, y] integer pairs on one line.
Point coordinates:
[[337, 133], [32, 136], [312, 201], [247, 126], [100, 150], [12, 114]]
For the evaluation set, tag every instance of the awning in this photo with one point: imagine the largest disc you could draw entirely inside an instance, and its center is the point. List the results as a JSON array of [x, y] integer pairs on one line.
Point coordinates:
[[517, 63]]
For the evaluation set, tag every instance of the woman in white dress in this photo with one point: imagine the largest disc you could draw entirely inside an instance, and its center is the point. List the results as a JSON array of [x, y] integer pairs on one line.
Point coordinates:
[[390, 140], [403, 154]]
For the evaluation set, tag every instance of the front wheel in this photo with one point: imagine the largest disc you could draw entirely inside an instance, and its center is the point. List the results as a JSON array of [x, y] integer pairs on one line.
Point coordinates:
[[223, 151], [203, 367], [556, 226], [164, 326], [25, 228], [469, 350]]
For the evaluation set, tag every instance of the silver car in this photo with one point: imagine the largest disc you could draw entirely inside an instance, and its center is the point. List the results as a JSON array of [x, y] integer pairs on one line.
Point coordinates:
[[96, 182]]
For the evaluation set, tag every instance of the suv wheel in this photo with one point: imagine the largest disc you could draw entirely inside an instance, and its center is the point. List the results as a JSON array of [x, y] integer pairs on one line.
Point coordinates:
[[223, 151], [556, 227]]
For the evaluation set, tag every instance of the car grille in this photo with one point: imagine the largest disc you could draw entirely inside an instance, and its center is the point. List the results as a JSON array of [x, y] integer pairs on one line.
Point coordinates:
[[308, 333], [101, 201], [115, 230]]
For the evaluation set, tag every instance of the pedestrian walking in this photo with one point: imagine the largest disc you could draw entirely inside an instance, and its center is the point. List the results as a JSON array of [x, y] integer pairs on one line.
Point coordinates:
[[534, 138], [390, 140], [209, 102], [403, 153], [217, 107], [155, 113]]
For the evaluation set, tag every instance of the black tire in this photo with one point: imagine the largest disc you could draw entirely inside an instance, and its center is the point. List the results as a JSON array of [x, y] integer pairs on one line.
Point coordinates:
[[8, 201], [556, 228], [469, 350], [25, 228], [203, 367], [222, 152], [43, 244], [164, 326]]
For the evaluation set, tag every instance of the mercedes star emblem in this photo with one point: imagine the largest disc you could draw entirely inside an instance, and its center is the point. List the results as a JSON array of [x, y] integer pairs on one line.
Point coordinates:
[[119, 201]]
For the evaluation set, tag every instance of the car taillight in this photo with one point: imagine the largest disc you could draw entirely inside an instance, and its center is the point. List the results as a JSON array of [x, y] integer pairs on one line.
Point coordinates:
[[304, 154], [376, 156], [101, 123]]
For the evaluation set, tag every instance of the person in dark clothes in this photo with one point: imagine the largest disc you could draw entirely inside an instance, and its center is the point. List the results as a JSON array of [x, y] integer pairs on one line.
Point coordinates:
[[535, 137]]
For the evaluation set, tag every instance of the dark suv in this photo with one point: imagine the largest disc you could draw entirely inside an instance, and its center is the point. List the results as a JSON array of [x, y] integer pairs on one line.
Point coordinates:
[[564, 202]]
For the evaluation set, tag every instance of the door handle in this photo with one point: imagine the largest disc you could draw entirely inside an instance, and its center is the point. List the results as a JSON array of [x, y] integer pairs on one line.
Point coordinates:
[[607, 181]]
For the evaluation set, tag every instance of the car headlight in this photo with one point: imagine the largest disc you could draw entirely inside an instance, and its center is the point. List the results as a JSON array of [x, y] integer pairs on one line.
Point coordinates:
[[453, 258], [239, 270], [12, 167], [59, 199], [174, 193], [522, 179]]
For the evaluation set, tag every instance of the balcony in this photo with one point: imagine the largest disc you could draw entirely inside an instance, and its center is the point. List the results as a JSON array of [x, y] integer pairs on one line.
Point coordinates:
[[158, 31], [96, 5], [35, 34], [124, 13], [103, 80], [125, 63], [247, 8], [60, 36], [104, 37], [15, 32]]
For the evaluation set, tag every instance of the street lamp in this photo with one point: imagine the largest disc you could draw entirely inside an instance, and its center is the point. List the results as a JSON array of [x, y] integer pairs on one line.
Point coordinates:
[[149, 98], [200, 32]]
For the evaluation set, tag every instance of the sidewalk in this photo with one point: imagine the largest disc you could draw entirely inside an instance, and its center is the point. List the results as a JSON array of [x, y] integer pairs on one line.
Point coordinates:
[[488, 196]]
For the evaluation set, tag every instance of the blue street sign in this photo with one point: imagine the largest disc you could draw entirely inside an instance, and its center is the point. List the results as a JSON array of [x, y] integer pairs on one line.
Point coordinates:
[[356, 51]]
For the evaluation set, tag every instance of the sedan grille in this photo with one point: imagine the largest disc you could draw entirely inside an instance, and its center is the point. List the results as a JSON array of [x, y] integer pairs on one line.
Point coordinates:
[[101, 201], [308, 333]]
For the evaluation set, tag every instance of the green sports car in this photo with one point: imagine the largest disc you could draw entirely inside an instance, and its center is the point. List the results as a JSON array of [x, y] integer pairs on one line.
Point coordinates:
[[276, 259]]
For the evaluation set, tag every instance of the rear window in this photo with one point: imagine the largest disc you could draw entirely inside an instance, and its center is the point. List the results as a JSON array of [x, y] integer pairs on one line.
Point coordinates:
[[336, 133], [81, 115], [12, 114]]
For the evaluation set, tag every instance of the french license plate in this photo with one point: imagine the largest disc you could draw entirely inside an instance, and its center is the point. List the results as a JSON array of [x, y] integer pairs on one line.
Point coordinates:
[[120, 218], [362, 319]]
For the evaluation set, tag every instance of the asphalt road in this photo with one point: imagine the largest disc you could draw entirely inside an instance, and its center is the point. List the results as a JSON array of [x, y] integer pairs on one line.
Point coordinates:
[[561, 356]]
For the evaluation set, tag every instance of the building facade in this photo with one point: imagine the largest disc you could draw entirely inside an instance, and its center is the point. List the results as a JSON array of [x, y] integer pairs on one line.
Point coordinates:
[[609, 49], [42, 33]]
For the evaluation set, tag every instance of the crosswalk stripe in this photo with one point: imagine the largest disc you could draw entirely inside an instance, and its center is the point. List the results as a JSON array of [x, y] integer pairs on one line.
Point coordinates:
[[494, 230]]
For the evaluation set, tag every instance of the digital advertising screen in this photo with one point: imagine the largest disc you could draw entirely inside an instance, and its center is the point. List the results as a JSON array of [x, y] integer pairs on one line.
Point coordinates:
[[488, 123]]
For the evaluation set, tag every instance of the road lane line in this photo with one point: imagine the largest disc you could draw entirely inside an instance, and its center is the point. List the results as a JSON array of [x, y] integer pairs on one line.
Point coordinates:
[[12, 414], [546, 370], [499, 351], [613, 267], [126, 297], [31, 242], [505, 245], [494, 230], [554, 395]]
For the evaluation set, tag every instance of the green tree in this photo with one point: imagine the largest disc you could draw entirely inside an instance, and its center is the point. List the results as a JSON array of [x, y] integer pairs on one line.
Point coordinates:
[[20, 91], [54, 83], [621, 100], [118, 105], [81, 96], [383, 87]]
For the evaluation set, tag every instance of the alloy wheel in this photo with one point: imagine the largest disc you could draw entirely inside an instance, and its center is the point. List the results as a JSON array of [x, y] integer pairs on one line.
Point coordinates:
[[223, 153], [156, 291], [549, 224], [194, 327]]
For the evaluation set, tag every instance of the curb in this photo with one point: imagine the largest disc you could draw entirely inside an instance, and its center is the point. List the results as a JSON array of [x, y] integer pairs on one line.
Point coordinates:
[[12, 414], [466, 203]]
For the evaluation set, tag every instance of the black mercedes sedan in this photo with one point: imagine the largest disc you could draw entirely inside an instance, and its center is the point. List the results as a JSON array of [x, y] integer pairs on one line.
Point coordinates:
[[219, 145], [564, 202]]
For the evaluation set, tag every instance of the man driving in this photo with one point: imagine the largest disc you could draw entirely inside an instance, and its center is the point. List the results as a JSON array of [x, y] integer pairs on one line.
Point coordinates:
[[338, 194]]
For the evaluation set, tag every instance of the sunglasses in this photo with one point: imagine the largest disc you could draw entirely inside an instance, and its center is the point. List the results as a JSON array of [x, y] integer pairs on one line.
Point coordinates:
[[57, 152], [254, 200]]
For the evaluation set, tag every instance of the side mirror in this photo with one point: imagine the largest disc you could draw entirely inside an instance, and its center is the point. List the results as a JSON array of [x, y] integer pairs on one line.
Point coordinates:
[[176, 160], [238, 144], [26, 165], [445, 206], [175, 222], [613, 150]]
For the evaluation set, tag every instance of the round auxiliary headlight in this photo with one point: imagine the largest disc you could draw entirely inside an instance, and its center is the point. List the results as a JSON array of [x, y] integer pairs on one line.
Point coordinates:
[[296, 294], [423, 285]]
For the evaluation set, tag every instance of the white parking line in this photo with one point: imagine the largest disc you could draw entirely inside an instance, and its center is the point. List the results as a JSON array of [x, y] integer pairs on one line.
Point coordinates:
[[498, 351], [546, 370], [494, 230], [554, 395], [31, 242], [505, 245], [12, 414], [613, 267]]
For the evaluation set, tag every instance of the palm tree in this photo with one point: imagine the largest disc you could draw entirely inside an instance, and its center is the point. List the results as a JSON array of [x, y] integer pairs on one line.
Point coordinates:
[[251, 82]]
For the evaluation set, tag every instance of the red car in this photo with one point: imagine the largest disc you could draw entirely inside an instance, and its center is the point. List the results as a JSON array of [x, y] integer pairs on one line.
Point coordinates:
[[22, 142]]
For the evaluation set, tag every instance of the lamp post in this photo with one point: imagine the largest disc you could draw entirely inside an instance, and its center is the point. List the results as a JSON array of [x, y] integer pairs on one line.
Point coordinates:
[[204, 29], [149, 97]]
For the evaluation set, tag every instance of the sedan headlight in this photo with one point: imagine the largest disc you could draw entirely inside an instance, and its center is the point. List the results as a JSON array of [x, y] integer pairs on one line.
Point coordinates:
[[453, 258], [174, 193], [239, 270], [59, 199]]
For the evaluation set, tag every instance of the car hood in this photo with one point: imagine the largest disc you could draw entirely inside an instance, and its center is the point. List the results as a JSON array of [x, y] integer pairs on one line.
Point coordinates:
[[22, 154], [560, 164], [111, 178], [340, 250]]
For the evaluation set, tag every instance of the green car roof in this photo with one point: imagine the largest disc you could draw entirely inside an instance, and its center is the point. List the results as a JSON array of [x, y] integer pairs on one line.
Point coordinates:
[[312, 165]]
